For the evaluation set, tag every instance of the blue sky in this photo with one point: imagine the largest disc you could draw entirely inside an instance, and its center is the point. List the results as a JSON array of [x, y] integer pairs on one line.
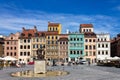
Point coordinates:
[[103, 14]]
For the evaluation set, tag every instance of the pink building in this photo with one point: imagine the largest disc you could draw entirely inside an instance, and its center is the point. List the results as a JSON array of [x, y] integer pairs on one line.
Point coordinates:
[[11, 45]]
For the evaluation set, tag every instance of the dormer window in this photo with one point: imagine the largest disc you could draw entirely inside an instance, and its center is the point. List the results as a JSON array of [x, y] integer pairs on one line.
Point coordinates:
[[29, 35]]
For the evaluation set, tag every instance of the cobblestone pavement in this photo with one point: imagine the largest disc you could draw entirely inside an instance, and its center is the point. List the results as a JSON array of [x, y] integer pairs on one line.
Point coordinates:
[[77, 72]]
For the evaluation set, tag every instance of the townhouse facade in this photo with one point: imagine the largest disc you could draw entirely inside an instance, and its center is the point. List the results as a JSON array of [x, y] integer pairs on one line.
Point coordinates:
[[52, 37], [115, 46], [38, 41], [11, 45], [75, 46], [103, 46], [63, 47], [90, 42], [25, 54]]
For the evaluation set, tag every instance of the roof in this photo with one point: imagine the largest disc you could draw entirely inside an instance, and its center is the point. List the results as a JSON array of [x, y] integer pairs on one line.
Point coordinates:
[[90, 35], [116, 39], [28, 33], [53, 24], [52, 33], [63, 39], [86, 25]]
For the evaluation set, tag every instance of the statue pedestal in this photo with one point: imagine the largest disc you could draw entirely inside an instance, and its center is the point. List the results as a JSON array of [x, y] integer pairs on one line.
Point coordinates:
[[40, 66]]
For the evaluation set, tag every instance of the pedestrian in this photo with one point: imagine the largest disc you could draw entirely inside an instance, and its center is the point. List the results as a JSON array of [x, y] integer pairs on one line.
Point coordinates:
[[89, 63]]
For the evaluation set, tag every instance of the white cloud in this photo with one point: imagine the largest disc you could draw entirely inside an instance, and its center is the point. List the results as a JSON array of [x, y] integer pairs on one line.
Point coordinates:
[[14, 22]]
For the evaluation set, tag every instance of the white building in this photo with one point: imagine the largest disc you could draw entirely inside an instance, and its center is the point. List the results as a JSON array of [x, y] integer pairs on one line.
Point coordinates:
[[103, 46]]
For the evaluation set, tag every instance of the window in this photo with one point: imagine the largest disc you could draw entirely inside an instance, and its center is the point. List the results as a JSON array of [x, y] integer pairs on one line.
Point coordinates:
[[7, 53], [14, 53], [7, 42], [77, 52], [24, 40], [93, 53], [98, 52], [71, 39], [81, 39], [48, 37], [33, 45], [70, 52], [74, 39], [36, 45], [86, 53], [60, 42], [105, 39], [81, 52], [28, 53], [11, 48], [106, 52], [102, 45], [21, 47], [52, 42], [74, 52], [93, 40], [98, 40], [94, 47], [24, 46], [86, 40], [106, 45], [28, 46], [48, 42], [11, 54], [21, 40], [24, 53], [56, 29], [56, 42], [52, 37], [86, 47], [14, 48], [21, 53], [28, 40], [37, 40], [89, 40], [90, 47], [7, 48], [98, 45], [66, 42], [56, 37], [63, 42], [102, 52], [77, 39]]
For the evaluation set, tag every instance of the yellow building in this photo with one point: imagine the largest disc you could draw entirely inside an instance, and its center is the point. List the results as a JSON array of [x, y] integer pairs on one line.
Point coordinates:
[[52, 37], [54, 27], [38, 42]]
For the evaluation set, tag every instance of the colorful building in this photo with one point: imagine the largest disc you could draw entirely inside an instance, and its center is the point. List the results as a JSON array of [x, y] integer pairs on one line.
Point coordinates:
[[38, 41], [90, 42], [25, 54], [1, 46], [63, 47], [75, 46], [11, 45], [103, 46]]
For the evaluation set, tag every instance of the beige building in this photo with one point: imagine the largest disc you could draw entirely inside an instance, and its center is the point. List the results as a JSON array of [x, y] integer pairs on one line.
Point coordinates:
[[38, 42], [11, 45], [90, 42], [52, 37], [25, 49]]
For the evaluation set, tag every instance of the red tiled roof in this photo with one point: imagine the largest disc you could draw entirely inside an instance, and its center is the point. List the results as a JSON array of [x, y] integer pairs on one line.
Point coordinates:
[[63, 39], [86, 25], [53, 24], [90, 34], [51, 33]]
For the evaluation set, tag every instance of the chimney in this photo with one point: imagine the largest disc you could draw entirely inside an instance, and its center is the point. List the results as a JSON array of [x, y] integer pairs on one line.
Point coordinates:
[[23, 29], [35, 29]]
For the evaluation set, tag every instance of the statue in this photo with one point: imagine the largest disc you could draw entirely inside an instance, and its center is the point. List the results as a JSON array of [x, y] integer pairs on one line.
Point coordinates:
[[40, 54]]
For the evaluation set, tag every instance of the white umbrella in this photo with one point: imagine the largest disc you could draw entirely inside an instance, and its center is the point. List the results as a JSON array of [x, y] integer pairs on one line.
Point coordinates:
[[1, 58], [9, 58]]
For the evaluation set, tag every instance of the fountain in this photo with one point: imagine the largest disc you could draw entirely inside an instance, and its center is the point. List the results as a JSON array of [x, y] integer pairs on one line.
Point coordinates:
[[40, 68]]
